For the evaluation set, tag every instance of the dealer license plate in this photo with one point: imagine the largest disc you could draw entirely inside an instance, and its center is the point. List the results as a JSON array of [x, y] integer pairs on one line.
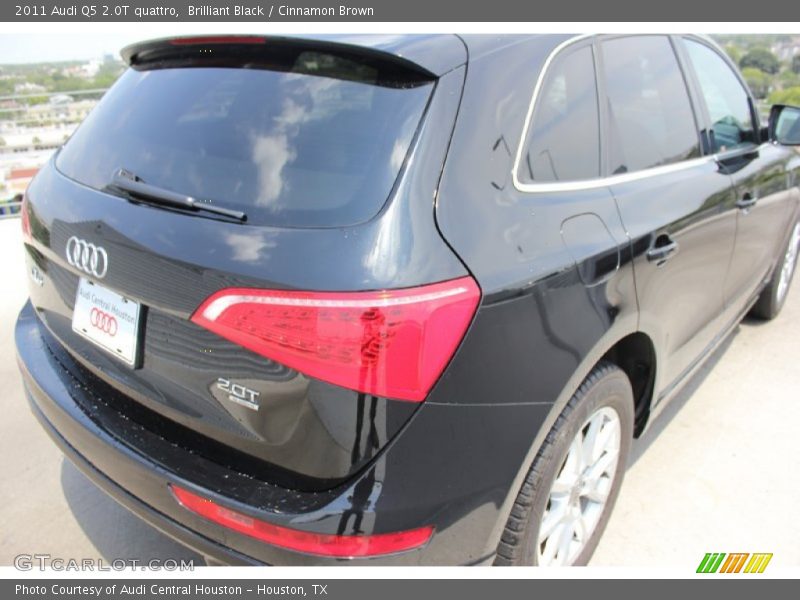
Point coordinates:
[[108, 320]]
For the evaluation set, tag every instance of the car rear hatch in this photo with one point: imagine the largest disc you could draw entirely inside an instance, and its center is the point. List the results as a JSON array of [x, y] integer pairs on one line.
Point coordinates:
[[261, 172]]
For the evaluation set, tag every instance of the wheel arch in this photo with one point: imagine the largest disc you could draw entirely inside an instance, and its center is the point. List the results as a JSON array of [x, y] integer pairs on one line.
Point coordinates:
[[635, 354], [619, 345], [633, 351]]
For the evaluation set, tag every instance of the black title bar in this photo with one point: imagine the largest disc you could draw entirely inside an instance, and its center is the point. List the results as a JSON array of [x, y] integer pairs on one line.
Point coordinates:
[[396, 589], [258, 11]]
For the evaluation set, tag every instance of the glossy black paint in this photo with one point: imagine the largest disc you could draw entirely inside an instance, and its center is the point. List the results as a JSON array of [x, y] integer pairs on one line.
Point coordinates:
[[435, 54], [309, 432], [680, 299], [560, 261], [442, 469], [565, 281]]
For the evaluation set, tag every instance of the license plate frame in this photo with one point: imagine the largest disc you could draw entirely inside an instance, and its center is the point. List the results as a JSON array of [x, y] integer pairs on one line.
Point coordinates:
[[108, 320]]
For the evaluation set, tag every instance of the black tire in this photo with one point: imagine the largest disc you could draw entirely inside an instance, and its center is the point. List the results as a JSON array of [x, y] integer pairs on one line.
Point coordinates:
[[770, 303], [606, 386]]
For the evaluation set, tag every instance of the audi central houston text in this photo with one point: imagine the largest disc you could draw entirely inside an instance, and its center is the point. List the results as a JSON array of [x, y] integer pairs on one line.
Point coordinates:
[[157, 589], [396, 299]]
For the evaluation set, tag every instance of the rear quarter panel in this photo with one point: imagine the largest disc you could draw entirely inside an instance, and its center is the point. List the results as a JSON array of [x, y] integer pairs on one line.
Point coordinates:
[[554, 268]]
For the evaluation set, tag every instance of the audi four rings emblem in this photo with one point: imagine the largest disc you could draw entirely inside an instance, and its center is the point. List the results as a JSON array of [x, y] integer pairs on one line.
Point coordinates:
[[103, 321], [87, 257]]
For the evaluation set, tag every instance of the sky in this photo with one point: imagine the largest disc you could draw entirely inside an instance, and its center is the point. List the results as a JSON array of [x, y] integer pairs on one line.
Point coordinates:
[[33, 48]]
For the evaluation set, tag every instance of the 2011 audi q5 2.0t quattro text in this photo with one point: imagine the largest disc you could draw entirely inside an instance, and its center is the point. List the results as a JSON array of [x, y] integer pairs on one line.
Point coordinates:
[[401, 299]]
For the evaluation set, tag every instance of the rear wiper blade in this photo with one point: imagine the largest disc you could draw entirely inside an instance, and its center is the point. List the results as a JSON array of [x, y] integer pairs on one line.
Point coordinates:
[[130, 183]]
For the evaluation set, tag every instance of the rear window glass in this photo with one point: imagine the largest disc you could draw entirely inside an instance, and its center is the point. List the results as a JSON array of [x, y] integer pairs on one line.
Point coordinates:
[[288, 147]]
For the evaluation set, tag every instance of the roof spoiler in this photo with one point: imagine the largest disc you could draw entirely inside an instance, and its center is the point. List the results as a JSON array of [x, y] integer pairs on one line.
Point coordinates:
[[244, 48]]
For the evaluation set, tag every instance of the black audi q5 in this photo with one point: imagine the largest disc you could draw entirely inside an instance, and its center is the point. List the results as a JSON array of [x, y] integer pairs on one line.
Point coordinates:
[[396, 299]]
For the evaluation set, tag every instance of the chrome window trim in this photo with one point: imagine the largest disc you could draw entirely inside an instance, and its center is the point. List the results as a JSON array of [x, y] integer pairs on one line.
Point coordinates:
[[585, 184]]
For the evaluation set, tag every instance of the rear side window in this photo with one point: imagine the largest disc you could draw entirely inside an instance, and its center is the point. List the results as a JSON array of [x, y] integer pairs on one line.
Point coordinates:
[[727, 101], [563, 141], [318, 142], [651, 122]]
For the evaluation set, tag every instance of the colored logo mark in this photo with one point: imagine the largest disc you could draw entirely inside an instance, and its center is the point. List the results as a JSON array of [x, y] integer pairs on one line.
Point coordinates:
[[737, 562]]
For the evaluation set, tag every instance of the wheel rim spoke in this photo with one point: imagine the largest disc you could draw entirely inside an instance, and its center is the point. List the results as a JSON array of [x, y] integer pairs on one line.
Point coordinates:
[[561, 486], [574, 463], [565, 542], [581, 527], [609, 436], [551, 546], [596, 494], [549, 524], [605, 465], [789, 262], [590, 441]]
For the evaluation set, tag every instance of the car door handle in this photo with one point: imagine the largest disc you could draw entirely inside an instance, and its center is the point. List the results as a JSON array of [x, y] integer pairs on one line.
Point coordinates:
[[664, 249], [746, 201]]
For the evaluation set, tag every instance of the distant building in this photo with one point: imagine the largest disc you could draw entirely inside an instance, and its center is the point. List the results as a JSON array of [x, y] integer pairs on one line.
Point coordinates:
[[61, 99], [29, 88], [786, 50], [18, 179], [91, 68], [30, 133], [37, 139], [60, 110], [85, 71], [72, 71]]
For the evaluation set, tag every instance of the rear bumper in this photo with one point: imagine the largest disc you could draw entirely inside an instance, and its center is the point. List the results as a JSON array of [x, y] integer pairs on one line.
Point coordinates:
[[414, 482], [207, 547]]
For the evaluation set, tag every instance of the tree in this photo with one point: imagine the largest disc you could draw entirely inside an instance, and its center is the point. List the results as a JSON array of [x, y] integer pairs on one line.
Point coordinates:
[[757, 81], [788, 96], [734, 52], [796, 64], [788, 79], [762, 59]]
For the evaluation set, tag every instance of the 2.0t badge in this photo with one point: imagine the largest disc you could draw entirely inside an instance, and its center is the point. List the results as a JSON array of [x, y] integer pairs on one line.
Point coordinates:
[[87, 257], [239, 394]]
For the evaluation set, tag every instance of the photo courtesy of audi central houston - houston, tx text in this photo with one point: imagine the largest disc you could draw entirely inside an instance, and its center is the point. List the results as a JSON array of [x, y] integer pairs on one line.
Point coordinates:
[[416, 299]]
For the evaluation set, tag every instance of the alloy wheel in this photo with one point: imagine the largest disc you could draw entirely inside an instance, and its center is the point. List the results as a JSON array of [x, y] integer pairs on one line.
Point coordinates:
[[580, 491]]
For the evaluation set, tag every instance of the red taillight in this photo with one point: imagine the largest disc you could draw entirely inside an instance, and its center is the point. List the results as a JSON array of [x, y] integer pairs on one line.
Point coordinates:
[[218, 39], [393, 343], [25, 219], [324, 544]]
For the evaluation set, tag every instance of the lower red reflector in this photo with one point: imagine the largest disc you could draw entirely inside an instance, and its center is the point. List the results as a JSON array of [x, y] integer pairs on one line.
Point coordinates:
[[323, 544]]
